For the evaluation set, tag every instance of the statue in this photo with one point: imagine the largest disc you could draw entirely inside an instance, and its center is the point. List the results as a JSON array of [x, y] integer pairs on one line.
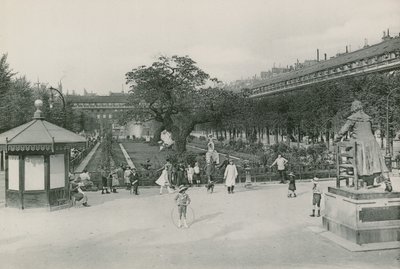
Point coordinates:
[[211, 155], [166, 140], [370, 162]]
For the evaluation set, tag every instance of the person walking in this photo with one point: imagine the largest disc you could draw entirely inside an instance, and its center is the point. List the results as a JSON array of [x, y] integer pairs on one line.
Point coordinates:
[[316, 200], [281, 163], [182, 200], [292, 185], [230, 176]]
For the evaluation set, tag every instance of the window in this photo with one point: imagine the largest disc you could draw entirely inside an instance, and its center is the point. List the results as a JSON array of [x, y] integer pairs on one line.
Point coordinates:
[[57, 171], [34, 172], [13, 172]]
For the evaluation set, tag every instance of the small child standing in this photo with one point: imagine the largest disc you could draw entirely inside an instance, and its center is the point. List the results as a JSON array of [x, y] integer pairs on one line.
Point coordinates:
[[182, 200], [316, 197], [197, 173], [292, 185], [190, 173]]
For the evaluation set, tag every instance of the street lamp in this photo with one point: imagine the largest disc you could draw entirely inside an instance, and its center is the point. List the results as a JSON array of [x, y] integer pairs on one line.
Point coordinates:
[[51, 101]]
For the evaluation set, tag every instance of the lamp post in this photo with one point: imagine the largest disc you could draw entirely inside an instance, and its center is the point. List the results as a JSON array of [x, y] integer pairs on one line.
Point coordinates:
[[388, 157], [63, 102]]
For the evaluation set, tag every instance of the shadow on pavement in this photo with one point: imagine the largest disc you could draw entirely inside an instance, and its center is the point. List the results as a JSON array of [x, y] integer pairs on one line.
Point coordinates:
[[206, 217]]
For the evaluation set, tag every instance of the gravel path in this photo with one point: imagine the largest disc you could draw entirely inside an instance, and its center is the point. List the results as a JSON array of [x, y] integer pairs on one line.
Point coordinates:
[[252, 228]]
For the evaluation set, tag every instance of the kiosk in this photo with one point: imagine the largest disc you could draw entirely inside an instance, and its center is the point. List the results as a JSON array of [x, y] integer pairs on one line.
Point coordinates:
[[37, 163]]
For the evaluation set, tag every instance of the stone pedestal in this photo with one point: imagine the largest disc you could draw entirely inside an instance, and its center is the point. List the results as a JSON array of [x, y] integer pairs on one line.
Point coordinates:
[[363, 216]]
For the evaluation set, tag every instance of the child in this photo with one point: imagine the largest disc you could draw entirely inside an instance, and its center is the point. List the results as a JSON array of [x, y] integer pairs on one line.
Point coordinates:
[[134, 181], [183, 200], [104, 180], [114, 180], [210, 171], [190, 173], [292, 185], [162, 181], [316, 197], [197, 173], [127, 176]]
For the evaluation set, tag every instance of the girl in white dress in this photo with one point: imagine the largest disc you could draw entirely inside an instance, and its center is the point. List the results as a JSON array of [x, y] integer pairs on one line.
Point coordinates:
[[163, 181]]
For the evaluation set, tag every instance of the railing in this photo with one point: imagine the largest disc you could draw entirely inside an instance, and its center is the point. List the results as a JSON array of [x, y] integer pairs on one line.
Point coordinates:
[[258, 174], [74, 162]]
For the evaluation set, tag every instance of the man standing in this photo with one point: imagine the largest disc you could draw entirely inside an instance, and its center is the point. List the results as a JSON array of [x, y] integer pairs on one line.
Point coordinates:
[[230, 176], [281, 163]]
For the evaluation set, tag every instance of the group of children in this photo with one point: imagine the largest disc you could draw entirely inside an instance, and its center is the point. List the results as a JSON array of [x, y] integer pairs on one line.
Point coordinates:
[[317, 193], [110, 180]]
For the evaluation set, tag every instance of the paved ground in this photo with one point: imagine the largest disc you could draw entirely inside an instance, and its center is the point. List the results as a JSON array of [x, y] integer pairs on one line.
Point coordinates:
[[257, 228]]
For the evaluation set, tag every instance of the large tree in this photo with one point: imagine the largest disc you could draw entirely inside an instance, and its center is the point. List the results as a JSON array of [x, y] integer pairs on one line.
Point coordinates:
[[175, 92]]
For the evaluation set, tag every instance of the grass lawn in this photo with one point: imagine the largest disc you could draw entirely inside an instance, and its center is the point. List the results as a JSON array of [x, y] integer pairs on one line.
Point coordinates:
[[93, 165]]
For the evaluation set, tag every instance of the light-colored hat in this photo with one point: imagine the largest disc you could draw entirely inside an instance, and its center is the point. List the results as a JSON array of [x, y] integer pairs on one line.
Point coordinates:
[[315, 180], [182, 188], [291, 174]]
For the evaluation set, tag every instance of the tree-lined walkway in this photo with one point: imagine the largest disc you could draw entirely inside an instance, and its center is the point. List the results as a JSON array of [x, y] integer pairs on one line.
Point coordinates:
[[87, 159]]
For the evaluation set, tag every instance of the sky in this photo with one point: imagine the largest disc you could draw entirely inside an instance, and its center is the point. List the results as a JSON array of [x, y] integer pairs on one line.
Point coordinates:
[[92, 44]]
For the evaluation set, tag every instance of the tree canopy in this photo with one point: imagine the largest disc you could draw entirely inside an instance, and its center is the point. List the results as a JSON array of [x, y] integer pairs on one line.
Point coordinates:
[[175, 92]]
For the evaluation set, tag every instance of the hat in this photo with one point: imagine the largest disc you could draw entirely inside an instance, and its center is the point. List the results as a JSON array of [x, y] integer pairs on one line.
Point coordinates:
[[182, 188], [291, 174], [315, 180]]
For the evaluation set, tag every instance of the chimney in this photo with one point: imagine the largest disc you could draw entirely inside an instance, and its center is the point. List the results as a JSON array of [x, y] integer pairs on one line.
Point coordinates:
[[388, 33], [347, 49], [365, 42], [317, 55], [325, 56]]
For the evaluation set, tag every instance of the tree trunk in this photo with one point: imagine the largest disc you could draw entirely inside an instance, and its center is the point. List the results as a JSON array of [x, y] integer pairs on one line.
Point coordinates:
[[298, 136], [157, 134], [327, 139]]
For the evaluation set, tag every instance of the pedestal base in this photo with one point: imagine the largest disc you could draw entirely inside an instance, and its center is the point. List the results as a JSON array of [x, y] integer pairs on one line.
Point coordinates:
[[363, 216]]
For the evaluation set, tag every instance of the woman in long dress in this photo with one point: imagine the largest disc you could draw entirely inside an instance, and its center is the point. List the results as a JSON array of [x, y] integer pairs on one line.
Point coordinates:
[[230, 176], [370, 162]]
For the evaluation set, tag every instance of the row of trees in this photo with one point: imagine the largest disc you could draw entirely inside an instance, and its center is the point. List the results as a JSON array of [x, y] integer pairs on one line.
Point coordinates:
[[317, 111], [17, 96], [179, 95]]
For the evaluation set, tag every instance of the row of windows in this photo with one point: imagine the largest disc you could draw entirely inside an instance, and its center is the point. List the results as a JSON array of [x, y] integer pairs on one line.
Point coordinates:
[[327, 72], [104, 116], [99, 104]]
